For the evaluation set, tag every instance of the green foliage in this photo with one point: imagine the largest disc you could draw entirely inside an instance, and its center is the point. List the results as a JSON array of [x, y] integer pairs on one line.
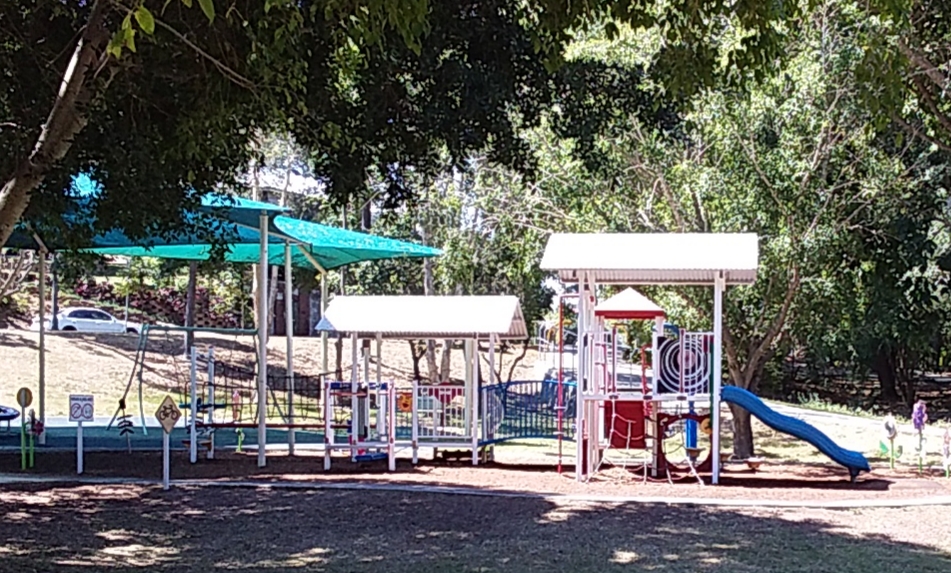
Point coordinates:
[[360, 84], [904, 82], [481, 219]]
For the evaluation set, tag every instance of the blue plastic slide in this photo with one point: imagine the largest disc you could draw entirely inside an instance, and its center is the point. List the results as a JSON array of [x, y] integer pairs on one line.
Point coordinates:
[[854, 461]]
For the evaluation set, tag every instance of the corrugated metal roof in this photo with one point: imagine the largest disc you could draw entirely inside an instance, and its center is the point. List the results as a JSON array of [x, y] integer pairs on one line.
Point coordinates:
[[654, 258], [425, 317], [629, 304]]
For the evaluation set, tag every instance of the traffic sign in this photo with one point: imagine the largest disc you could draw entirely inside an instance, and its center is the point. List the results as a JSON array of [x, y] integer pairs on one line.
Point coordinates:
[[168, 414], [24, 397], [81, 408]]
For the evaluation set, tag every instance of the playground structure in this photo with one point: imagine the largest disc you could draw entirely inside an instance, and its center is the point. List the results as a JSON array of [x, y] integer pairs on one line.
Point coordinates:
[[683, 393], [367, 417], [600, 403], [216, 392], [471, 416], [254, 232]]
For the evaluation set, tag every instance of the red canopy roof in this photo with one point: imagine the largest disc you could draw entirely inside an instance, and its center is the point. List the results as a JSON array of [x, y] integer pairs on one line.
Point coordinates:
[[629, 305]]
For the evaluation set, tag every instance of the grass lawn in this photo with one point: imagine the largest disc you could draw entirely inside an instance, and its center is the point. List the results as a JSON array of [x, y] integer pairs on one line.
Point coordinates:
[[125, 528]]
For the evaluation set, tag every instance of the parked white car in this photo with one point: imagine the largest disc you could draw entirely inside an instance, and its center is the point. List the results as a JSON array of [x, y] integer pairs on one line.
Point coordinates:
[[88, 320]]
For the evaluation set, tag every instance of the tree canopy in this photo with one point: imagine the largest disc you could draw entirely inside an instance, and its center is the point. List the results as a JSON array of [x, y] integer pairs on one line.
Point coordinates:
[[159, 100]]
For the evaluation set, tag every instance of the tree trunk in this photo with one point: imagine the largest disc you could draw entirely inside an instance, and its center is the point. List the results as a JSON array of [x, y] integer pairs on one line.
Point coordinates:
[[272, 297], [428, 290], [54, 311], [742, 428], [885, 372], [338, 349], [517, 359], [445, 363], [66, 119], [417, 350], [905, 376], [742, 433]]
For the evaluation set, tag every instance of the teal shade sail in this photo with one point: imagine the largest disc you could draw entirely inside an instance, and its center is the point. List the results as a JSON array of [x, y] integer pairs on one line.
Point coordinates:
[[329, 246], [314, 246]]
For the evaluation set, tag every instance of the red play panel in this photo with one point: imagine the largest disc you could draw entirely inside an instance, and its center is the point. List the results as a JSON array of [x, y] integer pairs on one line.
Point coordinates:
[[624, 424]]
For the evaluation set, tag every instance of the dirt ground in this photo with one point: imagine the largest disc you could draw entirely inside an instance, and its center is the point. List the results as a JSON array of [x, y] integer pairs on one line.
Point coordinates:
[[771, 482], [66, 528]]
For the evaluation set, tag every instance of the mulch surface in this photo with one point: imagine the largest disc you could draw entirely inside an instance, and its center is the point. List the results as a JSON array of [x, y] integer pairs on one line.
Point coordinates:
[[772, 482], [66, 528]]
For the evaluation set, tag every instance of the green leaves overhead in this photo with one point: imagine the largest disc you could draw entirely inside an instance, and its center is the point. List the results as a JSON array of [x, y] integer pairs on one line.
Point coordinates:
[[361, 83], [905, 82]]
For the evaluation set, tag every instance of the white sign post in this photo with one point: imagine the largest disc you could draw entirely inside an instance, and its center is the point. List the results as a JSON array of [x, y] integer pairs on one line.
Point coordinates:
[[81, 409], [167, 415]]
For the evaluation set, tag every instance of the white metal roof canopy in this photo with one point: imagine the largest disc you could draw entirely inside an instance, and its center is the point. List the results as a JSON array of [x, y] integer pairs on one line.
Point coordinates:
[[426, 317], [653, 258]]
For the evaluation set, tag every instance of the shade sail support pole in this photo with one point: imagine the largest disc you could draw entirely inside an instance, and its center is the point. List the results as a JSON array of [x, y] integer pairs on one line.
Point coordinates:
[[42, 345], [262, 341], [289, 337], [719, 286]]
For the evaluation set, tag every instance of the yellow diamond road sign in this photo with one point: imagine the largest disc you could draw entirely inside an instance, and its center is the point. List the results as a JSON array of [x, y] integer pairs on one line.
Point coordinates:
[[168, 414]]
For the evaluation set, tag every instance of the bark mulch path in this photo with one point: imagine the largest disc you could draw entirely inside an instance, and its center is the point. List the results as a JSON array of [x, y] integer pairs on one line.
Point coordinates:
[[773, 482], [67, 528]]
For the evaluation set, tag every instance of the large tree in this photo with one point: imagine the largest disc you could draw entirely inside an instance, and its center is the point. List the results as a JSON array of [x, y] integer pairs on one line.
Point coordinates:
[[905, 73], [794, 160], [159, 99]]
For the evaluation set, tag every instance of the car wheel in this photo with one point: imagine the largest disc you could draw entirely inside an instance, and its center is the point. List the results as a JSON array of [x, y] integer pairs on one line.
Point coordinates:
[[131, 331], [68, 328]]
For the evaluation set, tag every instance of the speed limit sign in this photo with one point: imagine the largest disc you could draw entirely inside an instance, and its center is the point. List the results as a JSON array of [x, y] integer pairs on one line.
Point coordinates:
[[81, 408]]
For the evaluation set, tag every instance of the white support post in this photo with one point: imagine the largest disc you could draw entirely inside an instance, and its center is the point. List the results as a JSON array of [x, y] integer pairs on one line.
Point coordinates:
[[391, 425], [612, 381], [79, 447], [656, 370], [474, 401], [42, 344], [719, 286], [492, 380], [211, 400], [193, 397], [581, 347], [591, 416], [388, 424], [262, 340], [467, 352], [356, 423], [166, 470], [415, 428], [289, 337], [365, 352], [328, 429], [493, 340], [323, 309]]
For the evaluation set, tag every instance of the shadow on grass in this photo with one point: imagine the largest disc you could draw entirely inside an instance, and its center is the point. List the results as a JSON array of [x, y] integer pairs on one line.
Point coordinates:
[[13, 338], [70, 528]]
